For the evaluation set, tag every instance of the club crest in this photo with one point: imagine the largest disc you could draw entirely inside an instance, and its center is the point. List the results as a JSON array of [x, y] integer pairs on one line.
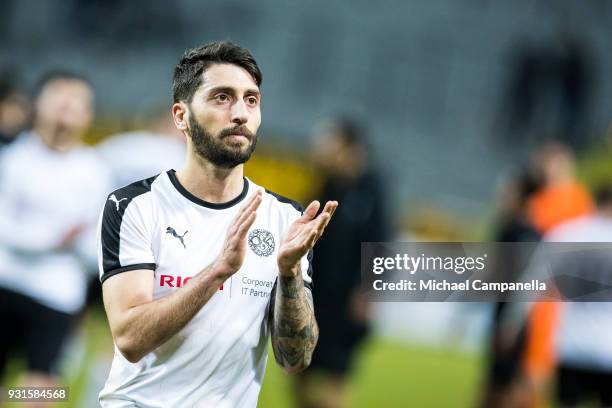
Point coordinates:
[[261, 242]]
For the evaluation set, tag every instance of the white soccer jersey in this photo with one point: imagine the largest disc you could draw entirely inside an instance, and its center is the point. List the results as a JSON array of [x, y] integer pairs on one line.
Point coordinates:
[[44, 195], [219, 358], [585, 328]]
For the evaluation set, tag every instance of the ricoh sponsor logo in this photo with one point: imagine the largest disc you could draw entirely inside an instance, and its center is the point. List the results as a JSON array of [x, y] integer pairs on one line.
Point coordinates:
[[172, 281]]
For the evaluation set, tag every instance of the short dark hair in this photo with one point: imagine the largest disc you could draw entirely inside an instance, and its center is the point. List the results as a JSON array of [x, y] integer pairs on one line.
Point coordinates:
[[59, 75], [188, 72]]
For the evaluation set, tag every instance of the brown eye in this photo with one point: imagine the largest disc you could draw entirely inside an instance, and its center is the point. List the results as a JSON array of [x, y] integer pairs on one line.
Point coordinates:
[[251, 100], [222, 97]]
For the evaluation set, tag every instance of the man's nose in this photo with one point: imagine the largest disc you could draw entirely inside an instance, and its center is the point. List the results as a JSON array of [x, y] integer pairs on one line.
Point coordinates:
[[239, 113]]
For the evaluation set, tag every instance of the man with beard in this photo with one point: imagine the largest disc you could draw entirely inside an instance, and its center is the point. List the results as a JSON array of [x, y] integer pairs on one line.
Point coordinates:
[[200, 266]]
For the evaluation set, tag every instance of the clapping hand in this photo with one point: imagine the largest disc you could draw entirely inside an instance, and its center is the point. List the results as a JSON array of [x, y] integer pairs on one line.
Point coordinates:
[[302, 235]]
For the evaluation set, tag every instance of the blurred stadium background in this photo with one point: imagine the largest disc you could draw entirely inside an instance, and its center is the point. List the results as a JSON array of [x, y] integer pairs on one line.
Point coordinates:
[[454, 94]]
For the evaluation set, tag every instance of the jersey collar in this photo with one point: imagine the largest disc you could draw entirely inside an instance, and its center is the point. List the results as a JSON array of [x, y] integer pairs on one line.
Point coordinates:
[[199, 201]]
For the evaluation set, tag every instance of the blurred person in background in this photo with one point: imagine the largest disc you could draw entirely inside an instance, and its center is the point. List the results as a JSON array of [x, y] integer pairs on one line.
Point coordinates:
[[50, 189], [138, 154], [560, 198], [513, 226], [340, 152], [584, 336], [14, 109]]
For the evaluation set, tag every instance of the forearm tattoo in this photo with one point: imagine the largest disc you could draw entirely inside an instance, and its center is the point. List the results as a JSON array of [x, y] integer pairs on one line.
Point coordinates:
[[294, 328]]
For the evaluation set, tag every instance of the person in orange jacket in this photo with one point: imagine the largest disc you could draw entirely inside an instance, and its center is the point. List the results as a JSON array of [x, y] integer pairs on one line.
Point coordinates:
[[561, 198]]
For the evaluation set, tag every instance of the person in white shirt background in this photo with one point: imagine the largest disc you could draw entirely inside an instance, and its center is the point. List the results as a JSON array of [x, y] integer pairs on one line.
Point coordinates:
[[584, 334], [50, 190]]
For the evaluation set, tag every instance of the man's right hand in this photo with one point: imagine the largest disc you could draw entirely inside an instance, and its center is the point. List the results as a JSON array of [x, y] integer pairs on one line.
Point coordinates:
[[234, 248]]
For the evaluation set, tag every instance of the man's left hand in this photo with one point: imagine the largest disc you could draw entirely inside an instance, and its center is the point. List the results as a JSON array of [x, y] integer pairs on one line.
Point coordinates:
[[302, 235]]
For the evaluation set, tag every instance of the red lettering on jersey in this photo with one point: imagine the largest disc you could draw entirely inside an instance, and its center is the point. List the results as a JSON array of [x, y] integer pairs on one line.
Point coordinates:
[[167, 279]]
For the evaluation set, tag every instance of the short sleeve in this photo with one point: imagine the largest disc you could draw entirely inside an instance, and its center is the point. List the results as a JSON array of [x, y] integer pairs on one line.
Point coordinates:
[[124, 235]]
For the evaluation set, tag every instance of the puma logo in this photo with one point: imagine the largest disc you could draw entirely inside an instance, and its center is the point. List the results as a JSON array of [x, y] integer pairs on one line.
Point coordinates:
[[114, 200], [173, 232]]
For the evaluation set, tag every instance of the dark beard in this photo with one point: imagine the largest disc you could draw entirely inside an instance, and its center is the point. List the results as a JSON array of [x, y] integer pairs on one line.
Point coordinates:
[[215, 150]]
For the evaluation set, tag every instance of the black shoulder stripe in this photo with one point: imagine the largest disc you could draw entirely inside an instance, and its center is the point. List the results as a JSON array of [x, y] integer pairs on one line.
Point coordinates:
[[137, 188], [115, 207], [283, 199]]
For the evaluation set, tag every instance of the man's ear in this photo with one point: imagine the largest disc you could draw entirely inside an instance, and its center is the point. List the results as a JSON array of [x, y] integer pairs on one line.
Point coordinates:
[[180, 115]]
